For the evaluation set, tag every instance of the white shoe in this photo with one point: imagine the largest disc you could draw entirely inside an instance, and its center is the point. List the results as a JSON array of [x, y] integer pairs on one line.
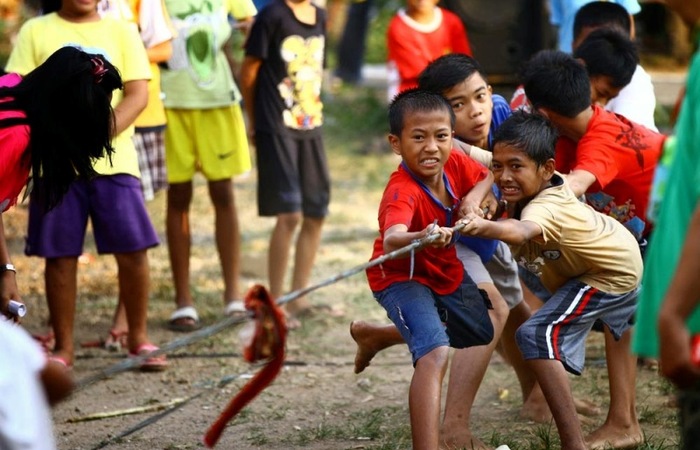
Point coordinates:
[[234, 307]]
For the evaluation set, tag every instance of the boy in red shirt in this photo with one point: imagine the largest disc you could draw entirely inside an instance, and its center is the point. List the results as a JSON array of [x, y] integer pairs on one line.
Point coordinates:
[[605, 156], [428, 296], [418, 34]]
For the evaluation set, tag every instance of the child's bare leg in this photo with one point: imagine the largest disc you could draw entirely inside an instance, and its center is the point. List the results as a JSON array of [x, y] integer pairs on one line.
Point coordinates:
[[372, 339], [424, 398], [177, 225], [307, 245], [535, 406], [621, 428], [278, 256], [228, 236], [134, 286], [61, 290], [466, 372], [554, 382], [119, 322]]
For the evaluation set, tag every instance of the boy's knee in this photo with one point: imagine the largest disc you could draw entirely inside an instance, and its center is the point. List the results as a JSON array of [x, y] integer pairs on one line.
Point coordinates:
[[289, 220], [436, 358]]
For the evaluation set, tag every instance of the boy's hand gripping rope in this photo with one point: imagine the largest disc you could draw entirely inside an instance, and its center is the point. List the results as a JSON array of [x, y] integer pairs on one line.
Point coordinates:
[[269, 340]]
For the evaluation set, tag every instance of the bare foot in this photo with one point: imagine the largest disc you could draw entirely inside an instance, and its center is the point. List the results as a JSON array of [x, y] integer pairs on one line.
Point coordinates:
[[586, 408], [536, 411], [535, 407], [459, 438], [609, 437], [366, 348]]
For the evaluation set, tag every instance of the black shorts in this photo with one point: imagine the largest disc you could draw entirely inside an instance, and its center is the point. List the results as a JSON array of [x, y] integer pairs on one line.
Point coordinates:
[[292, 175]]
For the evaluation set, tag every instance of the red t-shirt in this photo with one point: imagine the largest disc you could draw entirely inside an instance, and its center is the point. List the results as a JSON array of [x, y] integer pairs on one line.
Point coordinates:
[[15, 162], [406, 201], [622, 155], [411, 46]]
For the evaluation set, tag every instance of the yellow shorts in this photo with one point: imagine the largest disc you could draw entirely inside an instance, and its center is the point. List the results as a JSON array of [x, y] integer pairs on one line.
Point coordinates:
[[212, 141]]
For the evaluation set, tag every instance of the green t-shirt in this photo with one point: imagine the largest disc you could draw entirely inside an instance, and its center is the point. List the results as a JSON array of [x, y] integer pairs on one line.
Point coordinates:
[[198, 75], [676, 209]]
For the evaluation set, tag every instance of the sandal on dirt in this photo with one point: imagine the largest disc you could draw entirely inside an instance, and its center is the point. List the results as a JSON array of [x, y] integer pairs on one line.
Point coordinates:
[[234, 307], [184, 320], [114, 342], [60, 361], [152, 364]]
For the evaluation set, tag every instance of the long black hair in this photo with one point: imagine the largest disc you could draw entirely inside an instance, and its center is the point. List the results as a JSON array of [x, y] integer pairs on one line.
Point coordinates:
[[67, 103]]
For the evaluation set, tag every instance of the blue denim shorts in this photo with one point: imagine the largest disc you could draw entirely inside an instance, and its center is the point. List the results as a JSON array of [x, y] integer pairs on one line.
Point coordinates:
[[427, 320]]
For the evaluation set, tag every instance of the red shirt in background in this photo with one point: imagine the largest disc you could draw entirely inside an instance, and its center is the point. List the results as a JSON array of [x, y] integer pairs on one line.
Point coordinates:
[[623, 156], [411, 45]]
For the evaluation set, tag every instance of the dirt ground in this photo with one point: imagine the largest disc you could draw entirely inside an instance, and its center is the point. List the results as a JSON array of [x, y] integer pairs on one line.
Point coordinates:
[[317, 402]]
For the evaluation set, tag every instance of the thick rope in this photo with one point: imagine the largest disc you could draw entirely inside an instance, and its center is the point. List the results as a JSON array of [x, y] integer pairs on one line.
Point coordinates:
[[201, 334]]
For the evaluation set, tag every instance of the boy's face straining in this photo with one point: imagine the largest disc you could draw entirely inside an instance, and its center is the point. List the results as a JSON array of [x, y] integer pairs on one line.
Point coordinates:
[[518, 177], [425, 143]]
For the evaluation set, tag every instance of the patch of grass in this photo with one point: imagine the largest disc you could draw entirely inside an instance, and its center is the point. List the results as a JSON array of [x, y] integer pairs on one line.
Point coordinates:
[[547, 438], [652, 443], [258, 436], [354, 118]]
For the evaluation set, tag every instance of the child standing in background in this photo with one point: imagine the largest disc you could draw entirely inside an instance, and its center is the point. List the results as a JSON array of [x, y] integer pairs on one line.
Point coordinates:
[[281, 81], [113, 200], [206, 132], [149, 127], [418, 34], [43, 129]]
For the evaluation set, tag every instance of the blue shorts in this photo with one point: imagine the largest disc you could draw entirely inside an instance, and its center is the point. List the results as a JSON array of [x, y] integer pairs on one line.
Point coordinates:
[[114, 204], [558, 330], [427, 320], [292, 175]]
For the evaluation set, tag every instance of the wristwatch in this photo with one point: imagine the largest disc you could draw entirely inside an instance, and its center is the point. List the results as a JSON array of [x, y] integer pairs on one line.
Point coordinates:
[[7, 267]]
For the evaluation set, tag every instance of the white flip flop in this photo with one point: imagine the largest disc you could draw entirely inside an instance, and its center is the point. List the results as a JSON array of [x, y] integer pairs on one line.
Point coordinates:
[[186, 312]]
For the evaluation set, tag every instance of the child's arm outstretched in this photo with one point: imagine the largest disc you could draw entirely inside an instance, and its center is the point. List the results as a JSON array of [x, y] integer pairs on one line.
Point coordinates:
[[510, 231], [579, 181], [680, 302], [398, 236]]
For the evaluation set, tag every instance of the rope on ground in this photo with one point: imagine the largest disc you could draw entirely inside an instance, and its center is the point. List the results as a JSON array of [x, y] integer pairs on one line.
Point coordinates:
[[206, 332], [171, 409]]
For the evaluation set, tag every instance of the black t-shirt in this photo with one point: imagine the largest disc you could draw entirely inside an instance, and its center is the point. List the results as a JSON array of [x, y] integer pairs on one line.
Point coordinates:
[[288, 89]]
